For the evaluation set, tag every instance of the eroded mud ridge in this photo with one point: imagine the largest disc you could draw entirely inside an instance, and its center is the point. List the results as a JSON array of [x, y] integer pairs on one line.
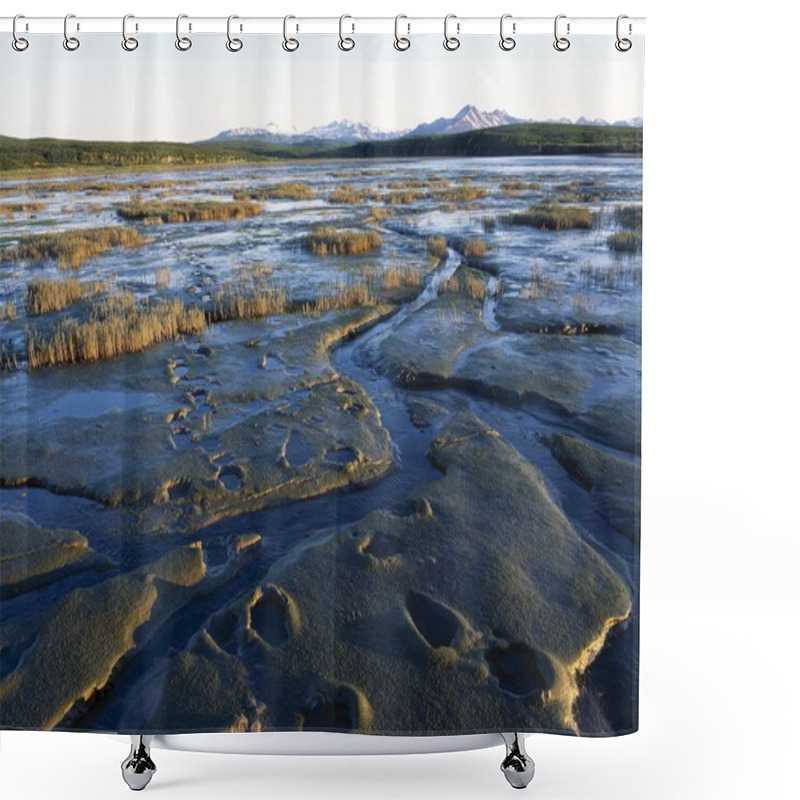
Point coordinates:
[[389, 487]]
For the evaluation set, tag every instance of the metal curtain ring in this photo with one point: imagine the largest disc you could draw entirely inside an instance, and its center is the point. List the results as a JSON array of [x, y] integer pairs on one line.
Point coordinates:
[[18, 42], [507, 42], [623, 44], [183, 43], [345, 42], [128, 42], [70, 42], [561, 43], [451, 42], [233, 44], [401, 42], [290, 44]]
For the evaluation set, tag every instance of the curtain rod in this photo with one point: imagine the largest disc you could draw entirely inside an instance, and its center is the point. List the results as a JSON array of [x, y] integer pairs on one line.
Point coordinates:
[[463, 26]]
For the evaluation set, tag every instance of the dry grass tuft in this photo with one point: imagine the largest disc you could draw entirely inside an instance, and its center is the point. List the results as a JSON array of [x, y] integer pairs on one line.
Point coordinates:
[[475, 248], [346, 194], [625, 242], [326, 241], [277, 191], [73, 248], [344, 295], [9, 209], [150, 213], [235, 301], [8, 311], [539, 285], [551, 217], [162, 277], [117, 326], [45, 296], [436, 246]]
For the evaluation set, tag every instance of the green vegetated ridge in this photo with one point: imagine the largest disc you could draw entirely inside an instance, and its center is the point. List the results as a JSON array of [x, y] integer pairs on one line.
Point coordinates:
[[506, 140]]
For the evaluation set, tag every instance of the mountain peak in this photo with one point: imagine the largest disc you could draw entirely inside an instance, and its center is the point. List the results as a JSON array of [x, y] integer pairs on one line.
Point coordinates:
[[467, 118]]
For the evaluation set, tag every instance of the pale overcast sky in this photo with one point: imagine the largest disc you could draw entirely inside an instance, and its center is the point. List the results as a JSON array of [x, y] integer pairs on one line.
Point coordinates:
[[102, 92]]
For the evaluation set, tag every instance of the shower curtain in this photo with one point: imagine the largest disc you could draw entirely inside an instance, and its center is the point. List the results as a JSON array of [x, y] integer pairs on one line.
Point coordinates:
[[320, 382]]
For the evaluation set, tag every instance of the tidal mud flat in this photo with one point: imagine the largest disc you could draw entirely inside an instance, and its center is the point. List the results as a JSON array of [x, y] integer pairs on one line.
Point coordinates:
[[333, 446]]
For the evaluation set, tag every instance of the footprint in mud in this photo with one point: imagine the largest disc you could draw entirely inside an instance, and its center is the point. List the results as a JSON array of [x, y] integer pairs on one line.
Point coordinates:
[[520, 669], [181, 438], [223, 629], [177, 370], [231, 477], [270, 617], [342, 456], [178, 491], [434, 622], [297, 451], [379, 546], [337, 708]]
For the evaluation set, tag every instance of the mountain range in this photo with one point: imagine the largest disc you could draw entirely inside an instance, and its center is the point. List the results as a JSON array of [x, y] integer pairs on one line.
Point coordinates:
[[469, 118]]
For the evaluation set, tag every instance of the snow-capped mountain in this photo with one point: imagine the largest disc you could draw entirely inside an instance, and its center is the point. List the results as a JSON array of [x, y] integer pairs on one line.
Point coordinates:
[[634, 122], [346, 131], [469, 118]]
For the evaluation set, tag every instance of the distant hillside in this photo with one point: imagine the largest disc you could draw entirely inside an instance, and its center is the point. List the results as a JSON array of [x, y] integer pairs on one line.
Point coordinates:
[[536, 138], [507, 140], [33, 153]]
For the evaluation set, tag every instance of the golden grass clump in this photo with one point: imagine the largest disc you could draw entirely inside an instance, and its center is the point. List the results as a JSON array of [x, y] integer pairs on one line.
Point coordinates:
[[327, 241], [378, 214], [116, 327], [174, 211], [629, 217], [9, 209], [295, 190], [74, 247], [234, 301], [551, 217], [162, 277], [466, 283], [489, 224], [461, 194], [8, 311], [401, 197], [400, 277], [475, 248], [255, 274], [344, 295], [8, 356], [436, 246], [44, 296], [513, 186], [346, 194], [625, 242], [539, 285]]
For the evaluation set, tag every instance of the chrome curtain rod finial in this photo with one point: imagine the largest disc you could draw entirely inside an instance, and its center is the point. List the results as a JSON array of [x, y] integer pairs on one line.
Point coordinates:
[[128, 42], [19, 43], [401, 43], [289, 44], [346, 43], [517, 766], [561, 43], [71, 43], [183, 43], [507, 42], [233, 44], [623, 44], [451, 43]]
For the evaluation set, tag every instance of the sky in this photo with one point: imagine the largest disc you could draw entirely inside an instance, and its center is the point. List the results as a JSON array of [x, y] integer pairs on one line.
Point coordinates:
[[102, 92]]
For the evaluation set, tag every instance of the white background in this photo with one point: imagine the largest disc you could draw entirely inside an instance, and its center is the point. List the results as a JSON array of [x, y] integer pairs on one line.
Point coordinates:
[[720, 553]]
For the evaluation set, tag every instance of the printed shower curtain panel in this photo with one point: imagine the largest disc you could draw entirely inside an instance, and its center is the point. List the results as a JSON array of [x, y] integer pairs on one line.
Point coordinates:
[[321, 385]]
